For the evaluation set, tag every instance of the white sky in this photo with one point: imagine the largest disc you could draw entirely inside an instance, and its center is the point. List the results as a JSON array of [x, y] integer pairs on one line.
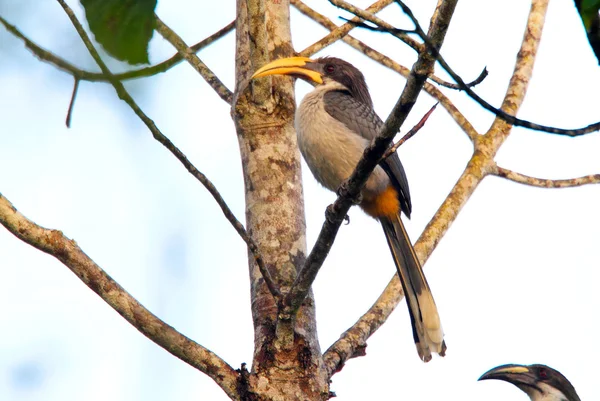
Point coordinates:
[[514, 278]]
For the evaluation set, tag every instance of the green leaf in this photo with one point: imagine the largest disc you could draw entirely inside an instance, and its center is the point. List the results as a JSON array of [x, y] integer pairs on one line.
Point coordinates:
[[123, 27], [589, 12]]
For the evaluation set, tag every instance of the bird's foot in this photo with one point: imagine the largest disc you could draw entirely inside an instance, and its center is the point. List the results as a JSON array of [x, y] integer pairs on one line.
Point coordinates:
[[345, 193], [331, 215]]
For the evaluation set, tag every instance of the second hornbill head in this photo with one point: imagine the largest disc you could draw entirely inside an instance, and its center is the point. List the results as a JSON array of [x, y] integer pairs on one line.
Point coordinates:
[[321, 71], [540, 382]]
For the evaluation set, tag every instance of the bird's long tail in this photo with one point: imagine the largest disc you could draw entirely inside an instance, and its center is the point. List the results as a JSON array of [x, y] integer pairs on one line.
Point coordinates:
[[426, 326]]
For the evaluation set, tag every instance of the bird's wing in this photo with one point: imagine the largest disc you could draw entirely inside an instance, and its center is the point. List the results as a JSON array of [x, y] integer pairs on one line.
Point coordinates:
[[362, 119]]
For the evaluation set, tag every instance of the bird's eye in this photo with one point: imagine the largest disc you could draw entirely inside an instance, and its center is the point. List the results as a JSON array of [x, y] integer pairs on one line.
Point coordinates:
[[329, 68], [543, 374]]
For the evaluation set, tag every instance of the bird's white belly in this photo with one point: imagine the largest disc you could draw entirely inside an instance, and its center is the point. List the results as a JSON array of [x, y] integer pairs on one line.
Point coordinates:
[[330, 149]]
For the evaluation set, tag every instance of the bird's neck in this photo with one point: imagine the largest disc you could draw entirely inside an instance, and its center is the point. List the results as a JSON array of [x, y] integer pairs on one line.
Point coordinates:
[[548, 393], [330, 85]]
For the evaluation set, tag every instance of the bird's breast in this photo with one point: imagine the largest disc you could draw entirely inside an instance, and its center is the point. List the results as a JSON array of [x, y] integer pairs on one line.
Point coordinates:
[[330, 149]]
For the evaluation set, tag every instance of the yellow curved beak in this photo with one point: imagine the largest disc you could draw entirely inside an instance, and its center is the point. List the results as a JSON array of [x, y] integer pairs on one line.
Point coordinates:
[[290, 66], [512, 369], [502, 372]]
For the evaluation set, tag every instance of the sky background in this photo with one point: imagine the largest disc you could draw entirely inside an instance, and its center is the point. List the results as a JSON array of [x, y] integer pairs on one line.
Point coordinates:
[[515, 278]]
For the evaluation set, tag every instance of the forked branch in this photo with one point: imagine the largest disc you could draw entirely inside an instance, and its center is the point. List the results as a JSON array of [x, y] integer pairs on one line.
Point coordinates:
[[192, 58], [339, 32], [499, 112], [62, 64], [545, 182], [54, 243]]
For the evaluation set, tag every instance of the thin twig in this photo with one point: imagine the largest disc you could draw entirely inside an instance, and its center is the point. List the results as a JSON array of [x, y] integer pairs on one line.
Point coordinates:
[[399, 33], [188, 54], [124, 95], [482, 76], [72, 102], [384, 60], [499, 112], [544, 182], [54, 243], [382, 25], [409, 134], [349, 190], [83, 75], [339, 32]]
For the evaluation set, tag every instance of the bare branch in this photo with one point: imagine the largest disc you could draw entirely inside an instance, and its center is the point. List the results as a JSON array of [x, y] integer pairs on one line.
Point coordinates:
[[82, 75], [166, 142], [482, 76], [399, 33], [355, 22], [511, 119], [339, 32], [72, 103], [54, 243], [544, 182], [382, 59], [409, 134], [349, 191], [191, 57]]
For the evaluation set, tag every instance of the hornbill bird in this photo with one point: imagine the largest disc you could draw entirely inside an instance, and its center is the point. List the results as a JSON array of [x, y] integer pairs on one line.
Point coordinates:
[[335, 123], [539, 382]]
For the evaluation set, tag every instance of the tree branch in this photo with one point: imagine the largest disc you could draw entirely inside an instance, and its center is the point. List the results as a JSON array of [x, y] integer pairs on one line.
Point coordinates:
[[544, 182], [72, 103], [403, 36], [61, 64], [511, 119], [166, 142], [191, 57], [350, 190], [481, 164], [482, 76], [392, 149], [54, 243], [396, 32], [338, 32]]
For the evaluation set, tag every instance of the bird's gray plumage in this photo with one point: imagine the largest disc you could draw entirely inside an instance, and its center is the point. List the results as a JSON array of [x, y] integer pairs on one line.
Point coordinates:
[[362, 119], [331, 154], [332, 143]]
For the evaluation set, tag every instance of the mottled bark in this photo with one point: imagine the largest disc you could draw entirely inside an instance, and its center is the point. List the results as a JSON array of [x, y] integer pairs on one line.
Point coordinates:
[[287, 361]]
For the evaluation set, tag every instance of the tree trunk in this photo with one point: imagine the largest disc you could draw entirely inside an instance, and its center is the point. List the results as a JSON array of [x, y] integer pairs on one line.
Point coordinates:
[[287, 363]]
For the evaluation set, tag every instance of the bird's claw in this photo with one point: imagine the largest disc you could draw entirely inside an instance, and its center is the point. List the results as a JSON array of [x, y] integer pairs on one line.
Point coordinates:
[[330, 215], [343, 192]]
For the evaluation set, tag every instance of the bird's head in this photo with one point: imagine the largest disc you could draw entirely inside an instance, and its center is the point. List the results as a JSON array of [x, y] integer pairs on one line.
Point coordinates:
[[321, 71], [540, 382]]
